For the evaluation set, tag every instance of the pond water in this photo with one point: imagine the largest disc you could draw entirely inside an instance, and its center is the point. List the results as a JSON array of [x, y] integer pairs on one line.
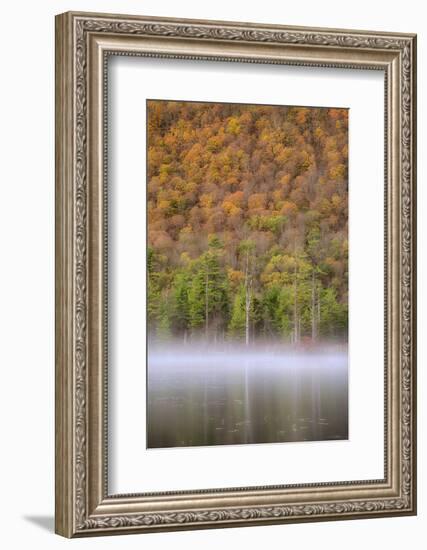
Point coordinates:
[[236, 396]]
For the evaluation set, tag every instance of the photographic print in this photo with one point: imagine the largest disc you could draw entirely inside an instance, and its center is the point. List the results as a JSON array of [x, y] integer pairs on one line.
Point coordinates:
[[247, 273]]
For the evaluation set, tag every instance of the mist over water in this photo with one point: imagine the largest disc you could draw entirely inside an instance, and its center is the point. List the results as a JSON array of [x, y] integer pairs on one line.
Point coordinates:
[[233, 394]]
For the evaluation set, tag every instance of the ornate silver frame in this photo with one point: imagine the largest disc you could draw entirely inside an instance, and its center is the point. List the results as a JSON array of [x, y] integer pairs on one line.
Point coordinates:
[[83, 505]]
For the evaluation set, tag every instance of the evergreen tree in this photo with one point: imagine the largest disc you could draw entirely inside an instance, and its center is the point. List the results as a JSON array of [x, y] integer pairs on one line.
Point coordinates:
[[164, 322], [208, 294], [154, 291], [237, 324], [180, 303]]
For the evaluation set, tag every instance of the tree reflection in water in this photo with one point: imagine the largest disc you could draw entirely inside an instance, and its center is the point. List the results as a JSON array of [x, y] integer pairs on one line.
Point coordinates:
[[225, 396]]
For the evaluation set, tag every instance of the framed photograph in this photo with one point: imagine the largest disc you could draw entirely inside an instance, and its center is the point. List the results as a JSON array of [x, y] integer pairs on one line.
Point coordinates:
[[235, 274]]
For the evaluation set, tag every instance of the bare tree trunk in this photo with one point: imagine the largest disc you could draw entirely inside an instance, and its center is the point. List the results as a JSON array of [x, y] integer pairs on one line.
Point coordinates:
[[313, 308], [207, 303], [295, 304], [248, 305], [247, 299]]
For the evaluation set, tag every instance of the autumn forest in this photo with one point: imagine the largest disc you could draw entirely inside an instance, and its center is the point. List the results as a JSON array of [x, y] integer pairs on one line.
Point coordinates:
[[247, 223]]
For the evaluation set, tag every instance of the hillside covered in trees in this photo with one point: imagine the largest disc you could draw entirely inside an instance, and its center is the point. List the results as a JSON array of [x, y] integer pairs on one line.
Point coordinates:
[[247, 222]]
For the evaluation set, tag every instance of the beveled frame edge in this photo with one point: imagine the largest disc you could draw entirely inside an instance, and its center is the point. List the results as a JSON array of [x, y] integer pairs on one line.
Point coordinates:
[[82, 505]]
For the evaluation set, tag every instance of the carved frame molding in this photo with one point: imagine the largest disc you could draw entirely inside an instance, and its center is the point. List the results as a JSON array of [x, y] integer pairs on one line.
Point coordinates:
[[83, 42]]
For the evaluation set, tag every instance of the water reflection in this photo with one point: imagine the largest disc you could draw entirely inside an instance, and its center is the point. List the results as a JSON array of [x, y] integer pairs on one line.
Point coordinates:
[[225, 397]]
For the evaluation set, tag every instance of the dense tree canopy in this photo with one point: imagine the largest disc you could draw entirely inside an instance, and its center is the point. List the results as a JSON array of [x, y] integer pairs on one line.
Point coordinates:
[[247, 221]]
